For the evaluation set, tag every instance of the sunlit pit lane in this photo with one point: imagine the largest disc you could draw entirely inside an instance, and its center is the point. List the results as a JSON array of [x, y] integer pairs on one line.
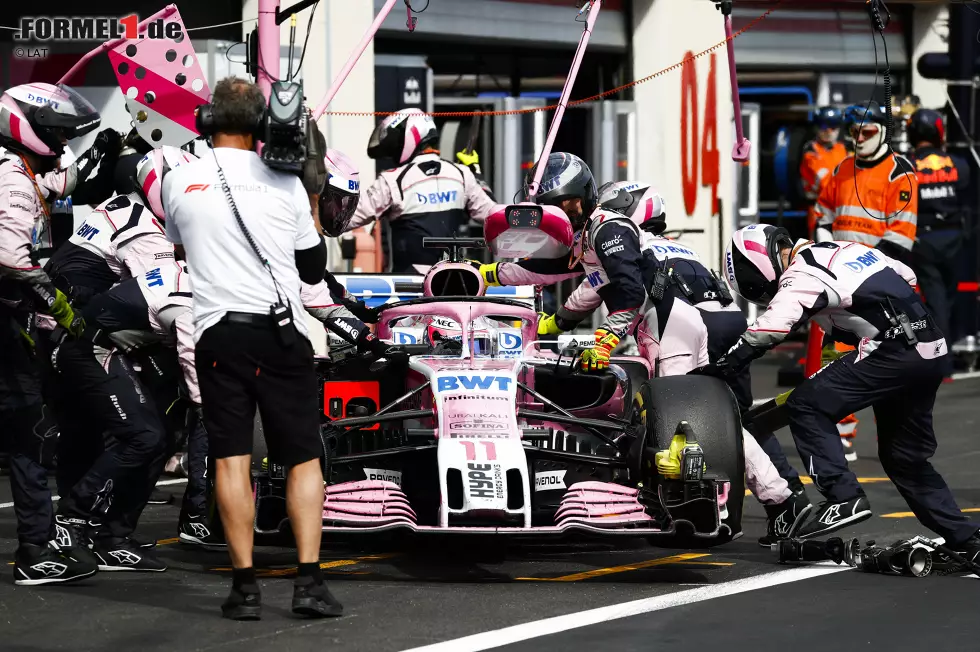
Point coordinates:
[[399, 596]]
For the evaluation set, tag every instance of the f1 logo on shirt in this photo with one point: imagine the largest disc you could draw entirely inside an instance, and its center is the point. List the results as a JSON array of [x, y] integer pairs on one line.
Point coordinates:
[[196, 186]]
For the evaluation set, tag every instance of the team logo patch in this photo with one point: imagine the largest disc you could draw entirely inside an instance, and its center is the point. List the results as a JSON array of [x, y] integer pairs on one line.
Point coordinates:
[[904, 195]]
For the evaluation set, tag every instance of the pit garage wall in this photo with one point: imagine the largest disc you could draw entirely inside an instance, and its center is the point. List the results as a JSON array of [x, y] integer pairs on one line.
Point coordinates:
[[679, 115]]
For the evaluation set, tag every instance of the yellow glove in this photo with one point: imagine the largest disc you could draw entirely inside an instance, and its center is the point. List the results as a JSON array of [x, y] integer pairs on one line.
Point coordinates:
[[489, 274], [547, 325], [829, 353], [62, 313], [469, 159], [597, 358]]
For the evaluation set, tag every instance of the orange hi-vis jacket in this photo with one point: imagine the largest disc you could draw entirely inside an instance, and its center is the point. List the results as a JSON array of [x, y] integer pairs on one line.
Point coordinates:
[[818, 162], [871, 203]]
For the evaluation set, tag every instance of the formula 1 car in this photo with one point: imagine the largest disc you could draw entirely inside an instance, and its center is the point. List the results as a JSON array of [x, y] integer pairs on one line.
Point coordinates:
[[480, 429]]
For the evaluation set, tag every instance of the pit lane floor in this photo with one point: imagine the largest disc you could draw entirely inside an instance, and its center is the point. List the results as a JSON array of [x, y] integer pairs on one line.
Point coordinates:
[[403, 597]]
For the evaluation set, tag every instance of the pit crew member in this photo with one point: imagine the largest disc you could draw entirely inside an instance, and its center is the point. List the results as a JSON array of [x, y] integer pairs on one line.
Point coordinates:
[[620, 257], [943, 181], [822, 155], [425, 196], [867, 299], [36, 121], [122, 326]]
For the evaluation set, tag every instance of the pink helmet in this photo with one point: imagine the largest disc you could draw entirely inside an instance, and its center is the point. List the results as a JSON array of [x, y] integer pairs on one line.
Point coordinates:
[[401, 135], [636, 200], [150, 171], [752, 264], [338, 199], [40, 118]]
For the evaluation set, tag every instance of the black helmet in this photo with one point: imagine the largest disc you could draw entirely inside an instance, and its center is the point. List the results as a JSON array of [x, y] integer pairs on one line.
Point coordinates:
[[566, 176], [926, 125]]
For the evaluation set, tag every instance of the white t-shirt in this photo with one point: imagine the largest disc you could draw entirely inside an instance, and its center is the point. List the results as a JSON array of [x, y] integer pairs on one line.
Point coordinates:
[[228, 276]]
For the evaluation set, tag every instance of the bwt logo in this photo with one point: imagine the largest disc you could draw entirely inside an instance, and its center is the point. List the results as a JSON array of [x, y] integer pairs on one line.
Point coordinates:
[[594, 279], [86, 231], [509, 341], [864, 260], [92, 28], [449, 383], [437, 197], [672, 249], [401, 337], [353, 185], [154, 278]]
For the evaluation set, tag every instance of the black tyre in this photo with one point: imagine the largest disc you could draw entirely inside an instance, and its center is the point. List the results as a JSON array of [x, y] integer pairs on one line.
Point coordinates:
[[709, 407]]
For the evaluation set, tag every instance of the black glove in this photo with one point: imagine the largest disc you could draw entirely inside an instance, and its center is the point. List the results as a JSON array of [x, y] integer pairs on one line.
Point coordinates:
[[360, 310], [732, 362], [368, 343], [108, 142]]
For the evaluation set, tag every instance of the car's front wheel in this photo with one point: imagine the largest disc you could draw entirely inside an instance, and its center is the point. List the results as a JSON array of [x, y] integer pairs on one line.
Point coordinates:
[[709, 407]]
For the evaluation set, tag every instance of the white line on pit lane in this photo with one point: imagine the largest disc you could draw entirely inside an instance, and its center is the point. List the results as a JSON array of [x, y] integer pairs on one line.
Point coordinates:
[[162, 483], [508, 635]]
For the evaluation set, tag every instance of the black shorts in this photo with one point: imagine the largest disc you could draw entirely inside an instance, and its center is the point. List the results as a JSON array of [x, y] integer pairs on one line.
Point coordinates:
[[240, 366]]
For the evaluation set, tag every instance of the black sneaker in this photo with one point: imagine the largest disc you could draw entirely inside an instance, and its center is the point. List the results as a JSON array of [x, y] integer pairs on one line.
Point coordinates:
[[243, 605], [314, 600], [785, 518], [158, 497], [969, 550], [196, 530], [831, 516], [125, 555], [143, 545], [36, 565], [71, 538]]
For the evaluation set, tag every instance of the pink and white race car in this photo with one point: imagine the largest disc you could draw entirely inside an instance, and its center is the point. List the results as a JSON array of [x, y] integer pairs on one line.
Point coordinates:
[[480, 429]]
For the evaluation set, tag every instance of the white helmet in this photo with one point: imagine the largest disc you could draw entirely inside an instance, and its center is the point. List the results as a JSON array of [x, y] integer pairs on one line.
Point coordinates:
[[636, 200], [402, 135], [151, 170], [752, 262], [40, 118], [340, 194]]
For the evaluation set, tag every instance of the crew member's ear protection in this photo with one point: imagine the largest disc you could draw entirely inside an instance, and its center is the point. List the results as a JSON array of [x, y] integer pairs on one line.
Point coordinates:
[[206, 126]]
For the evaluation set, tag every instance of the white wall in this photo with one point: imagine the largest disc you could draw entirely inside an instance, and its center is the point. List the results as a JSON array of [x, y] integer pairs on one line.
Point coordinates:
[[664, 30], [930, 29]]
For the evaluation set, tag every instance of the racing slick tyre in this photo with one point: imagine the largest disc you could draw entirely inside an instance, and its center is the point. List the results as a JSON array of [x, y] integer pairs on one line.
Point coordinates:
[[709, 407]]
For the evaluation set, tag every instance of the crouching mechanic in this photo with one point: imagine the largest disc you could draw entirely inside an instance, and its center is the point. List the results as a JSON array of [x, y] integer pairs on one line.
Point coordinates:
[[865, 298], [123, 325], [620, 257]]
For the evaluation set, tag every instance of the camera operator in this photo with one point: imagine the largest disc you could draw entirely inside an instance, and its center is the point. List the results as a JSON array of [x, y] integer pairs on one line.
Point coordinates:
[[250, 243]]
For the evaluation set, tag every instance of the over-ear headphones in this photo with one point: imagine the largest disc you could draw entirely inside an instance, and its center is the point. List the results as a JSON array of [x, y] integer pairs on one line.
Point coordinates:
[[206, 126]]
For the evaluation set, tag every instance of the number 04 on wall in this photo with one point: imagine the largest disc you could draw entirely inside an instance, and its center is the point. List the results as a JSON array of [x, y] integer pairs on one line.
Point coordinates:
[[698, 146]]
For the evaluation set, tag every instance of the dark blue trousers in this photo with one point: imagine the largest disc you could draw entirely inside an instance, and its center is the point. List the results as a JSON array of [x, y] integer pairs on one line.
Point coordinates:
[[900, 384]]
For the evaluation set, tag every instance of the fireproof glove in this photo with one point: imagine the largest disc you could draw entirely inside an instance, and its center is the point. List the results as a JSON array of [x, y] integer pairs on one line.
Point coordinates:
[[62, 313], [547, 325], [368, 343], [468, 159], [489, 274], [597, 358], [361, 310]]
